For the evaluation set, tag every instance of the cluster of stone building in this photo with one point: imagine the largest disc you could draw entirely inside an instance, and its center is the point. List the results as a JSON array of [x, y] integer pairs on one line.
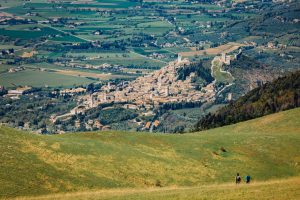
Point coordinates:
[[152, 90], [144, 94], [226, 59], [104, 66], [91, 125]]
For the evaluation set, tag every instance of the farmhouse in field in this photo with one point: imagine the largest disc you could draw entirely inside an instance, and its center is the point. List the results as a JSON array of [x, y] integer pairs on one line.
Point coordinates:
[[17, 69], [72, 91], [19, 91]]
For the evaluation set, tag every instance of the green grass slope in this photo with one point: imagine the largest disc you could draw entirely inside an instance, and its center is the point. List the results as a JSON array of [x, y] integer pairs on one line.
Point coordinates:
[[31, 165], [271, 190]]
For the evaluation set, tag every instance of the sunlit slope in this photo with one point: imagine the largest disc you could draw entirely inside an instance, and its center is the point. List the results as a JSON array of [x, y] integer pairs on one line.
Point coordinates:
[[287, 189], [266, 148]]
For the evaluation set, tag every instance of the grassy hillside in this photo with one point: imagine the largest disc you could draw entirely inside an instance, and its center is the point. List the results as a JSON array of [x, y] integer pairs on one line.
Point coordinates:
[[266, 148], [275, 190]]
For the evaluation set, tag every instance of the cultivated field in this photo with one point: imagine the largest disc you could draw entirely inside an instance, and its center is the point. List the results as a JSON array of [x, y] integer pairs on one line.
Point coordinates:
[[127, 33], [37, 78], [101, 76], [96, 162], [39, 75], [226, 48]]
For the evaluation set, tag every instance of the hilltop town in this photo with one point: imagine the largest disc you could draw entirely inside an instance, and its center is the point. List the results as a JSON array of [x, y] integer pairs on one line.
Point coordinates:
[[153, 90], [148, 94]]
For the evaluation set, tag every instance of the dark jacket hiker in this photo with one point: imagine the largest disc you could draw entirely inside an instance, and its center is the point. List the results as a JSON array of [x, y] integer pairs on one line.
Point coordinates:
[[238, 179], [248, 178]]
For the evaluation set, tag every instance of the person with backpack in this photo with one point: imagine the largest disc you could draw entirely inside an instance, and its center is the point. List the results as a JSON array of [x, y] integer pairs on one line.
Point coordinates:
[[248, 178], [238, 179]]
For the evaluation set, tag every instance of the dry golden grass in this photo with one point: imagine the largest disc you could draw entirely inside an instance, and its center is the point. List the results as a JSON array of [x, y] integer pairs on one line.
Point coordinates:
[[287, 189], [88, 74], [28, 54], [226, 48]]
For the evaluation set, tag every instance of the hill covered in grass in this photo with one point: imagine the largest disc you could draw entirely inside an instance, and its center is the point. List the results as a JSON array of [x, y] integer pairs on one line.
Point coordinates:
[[32, 165], [274, 189], [281, 94]]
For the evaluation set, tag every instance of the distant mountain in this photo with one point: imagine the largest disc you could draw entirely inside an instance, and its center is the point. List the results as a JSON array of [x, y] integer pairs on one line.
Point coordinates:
[[279, 95]]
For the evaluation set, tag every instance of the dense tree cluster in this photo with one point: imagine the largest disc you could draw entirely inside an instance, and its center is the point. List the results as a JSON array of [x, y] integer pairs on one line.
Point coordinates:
[[110, 115], [34, 109], [181, 105], [245, 62], [203, 74]]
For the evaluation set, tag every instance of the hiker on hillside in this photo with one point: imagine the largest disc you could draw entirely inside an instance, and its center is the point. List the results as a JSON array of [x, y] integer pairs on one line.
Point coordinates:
[[238, 179], [248, 178]]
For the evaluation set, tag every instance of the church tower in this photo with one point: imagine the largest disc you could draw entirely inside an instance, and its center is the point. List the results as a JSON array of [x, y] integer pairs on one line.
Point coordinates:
[[179, 59]]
